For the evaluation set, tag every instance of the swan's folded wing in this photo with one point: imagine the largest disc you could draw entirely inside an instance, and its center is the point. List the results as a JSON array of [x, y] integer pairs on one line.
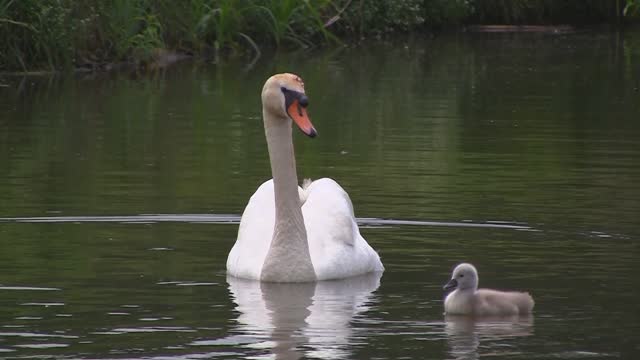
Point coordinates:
[[337, 249], [493, 302], [254, 234], [328, 211]]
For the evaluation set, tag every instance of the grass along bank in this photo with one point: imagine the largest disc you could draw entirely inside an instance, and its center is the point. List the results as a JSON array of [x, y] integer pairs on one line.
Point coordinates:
[[53, 34], [58, 34]]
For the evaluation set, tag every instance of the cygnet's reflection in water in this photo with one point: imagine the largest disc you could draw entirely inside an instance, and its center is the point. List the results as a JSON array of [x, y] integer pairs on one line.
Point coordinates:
[[310, 320], [471, 338]]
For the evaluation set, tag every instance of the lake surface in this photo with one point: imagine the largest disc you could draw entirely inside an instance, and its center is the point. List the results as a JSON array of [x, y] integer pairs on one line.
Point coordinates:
[[121, 194]]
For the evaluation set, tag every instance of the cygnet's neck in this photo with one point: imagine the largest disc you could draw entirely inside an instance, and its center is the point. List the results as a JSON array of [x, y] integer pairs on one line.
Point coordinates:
[[288, 259], [470, 288]]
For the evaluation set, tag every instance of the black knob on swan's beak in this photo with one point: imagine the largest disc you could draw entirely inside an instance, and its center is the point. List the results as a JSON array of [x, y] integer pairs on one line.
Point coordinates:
[[304, 101]]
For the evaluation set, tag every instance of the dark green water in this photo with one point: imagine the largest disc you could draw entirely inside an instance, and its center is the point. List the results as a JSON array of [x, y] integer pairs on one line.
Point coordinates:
[[536, 130]]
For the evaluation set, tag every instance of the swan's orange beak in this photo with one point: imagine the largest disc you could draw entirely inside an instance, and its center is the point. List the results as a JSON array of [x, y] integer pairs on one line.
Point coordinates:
[[298, 113]]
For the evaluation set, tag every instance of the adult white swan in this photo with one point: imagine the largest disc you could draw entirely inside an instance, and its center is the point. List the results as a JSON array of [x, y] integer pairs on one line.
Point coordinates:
[[293, 234]]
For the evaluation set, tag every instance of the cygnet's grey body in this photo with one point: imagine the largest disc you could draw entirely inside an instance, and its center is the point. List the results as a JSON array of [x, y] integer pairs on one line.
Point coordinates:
[[467, 299]]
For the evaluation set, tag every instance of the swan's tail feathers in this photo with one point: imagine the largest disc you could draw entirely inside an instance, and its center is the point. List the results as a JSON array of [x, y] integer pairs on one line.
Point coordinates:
[[525, 303], [306, 183]]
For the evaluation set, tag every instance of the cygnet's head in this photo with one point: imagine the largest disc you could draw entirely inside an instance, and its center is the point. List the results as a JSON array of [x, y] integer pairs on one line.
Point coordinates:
[[464, 277], [283, 98]]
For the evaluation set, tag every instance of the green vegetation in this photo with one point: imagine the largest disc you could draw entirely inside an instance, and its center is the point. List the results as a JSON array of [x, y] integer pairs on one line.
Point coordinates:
[[60, 33], [632, 8], [53, 34]]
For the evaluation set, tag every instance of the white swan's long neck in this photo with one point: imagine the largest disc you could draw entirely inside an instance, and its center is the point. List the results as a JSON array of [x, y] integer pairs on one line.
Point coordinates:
[[288, 259]]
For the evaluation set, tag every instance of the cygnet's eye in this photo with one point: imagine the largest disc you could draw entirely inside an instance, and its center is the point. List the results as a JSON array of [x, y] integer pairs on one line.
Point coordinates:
[[461, 275]]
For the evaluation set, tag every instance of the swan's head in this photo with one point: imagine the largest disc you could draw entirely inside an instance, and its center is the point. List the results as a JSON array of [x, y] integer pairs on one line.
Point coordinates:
[[464, 277], [283, 97]]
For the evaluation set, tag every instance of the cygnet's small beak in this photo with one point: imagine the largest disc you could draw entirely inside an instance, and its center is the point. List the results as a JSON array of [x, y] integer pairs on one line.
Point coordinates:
[[296, 103], [452, 284]]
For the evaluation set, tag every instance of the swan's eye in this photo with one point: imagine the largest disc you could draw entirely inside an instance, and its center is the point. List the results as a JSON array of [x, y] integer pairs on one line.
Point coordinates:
[[461, 275]]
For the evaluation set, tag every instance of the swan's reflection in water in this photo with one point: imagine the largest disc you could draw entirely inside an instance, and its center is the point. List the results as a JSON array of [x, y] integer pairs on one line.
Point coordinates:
[[310, 320], [470, 338]]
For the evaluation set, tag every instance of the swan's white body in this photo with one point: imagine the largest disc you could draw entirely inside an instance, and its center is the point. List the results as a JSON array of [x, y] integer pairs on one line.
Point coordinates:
[[293, 234], [336, 248], [487, 302]]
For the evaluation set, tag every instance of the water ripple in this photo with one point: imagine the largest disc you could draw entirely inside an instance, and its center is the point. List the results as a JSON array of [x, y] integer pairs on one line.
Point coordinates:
[[153, 329], [45, 304], [42, 346], [235, 220], [36, 335], [29, 288]]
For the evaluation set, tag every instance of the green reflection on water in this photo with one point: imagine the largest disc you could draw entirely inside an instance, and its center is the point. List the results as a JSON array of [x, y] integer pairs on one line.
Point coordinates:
[[539, 129]]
